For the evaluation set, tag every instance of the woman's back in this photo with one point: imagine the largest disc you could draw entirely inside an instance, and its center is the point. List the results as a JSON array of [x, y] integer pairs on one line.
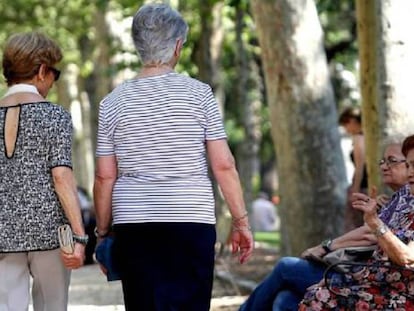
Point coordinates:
[[26, 181], [158, 127]]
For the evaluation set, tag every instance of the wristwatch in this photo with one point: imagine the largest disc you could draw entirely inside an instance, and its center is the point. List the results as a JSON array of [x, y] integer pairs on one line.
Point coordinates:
[[82, 239], [326, 245], [380, 231]]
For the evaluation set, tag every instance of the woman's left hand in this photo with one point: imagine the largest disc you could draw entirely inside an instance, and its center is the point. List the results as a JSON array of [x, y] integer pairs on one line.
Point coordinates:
[[242, 243], [76, 259]]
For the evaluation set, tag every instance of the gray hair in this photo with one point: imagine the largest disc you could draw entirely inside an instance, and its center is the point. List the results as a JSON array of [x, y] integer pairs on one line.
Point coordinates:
[[156, 28], [394, 139]]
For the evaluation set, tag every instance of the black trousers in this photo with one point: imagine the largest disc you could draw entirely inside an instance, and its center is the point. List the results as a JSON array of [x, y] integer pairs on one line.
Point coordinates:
[[165, 266]]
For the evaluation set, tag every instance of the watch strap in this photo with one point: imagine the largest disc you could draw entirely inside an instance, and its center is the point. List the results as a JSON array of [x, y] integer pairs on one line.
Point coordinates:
[[381, 230], [326, 245], [82, 239]]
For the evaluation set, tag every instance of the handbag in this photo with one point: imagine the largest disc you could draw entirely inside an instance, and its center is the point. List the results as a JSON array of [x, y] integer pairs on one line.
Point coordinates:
[[104, 255], [343, 255], [66, 239], [355, 254]]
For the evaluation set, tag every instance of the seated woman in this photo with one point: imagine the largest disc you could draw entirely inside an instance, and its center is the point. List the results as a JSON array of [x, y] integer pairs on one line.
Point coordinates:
[[285, 286], [372, 287]]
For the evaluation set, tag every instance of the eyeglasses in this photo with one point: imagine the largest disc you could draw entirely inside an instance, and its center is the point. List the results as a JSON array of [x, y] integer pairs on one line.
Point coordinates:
[[56, 72], [390, 161]]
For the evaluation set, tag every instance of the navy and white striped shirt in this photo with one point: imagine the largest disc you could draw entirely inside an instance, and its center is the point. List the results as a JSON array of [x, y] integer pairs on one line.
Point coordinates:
[[157, 128]]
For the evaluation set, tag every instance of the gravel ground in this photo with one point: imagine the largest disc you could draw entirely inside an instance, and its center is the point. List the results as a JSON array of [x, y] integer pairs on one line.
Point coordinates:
[[89, 290]]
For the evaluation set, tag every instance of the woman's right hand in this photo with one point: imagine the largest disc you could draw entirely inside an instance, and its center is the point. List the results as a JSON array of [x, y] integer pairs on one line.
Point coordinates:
[[316, 251]]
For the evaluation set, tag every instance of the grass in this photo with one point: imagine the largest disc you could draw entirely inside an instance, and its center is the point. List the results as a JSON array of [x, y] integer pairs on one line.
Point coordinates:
[[272, 238]]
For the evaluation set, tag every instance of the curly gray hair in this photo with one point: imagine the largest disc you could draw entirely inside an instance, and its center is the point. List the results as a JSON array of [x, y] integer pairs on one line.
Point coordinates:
[[155, 30]]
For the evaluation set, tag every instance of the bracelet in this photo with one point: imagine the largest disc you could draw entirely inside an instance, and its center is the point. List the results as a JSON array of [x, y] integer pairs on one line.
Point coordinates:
[[241, 229], [237, 219], [98, 235]]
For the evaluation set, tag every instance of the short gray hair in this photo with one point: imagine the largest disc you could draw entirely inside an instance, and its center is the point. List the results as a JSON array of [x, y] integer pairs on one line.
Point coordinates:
[[156, 28], [394, 139]]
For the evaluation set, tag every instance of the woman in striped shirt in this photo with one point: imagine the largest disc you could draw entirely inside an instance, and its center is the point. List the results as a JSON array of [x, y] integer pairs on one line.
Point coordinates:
[[157, 134]]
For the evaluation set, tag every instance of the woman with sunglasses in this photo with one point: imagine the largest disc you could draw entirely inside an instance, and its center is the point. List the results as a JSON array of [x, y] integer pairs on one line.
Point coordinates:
[[37, 188]]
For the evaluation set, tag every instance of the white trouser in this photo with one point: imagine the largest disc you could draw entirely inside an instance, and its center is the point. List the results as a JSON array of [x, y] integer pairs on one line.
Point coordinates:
[[50, 281]]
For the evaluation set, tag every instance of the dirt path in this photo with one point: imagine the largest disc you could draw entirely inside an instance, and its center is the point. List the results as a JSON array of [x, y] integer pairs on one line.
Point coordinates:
[[89, 290]]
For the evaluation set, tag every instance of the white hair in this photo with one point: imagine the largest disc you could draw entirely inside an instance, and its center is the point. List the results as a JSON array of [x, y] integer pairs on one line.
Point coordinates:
[[155, 30], [395, 139]]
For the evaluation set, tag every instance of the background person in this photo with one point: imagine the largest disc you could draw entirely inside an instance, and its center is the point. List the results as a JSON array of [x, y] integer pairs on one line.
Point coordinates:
[[351, 120], [264, 216], [154, 137], [37, 188], [286, 285]]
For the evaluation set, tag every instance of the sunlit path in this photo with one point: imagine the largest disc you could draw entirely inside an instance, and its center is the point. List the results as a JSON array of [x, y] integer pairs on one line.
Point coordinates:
[[89, 291]]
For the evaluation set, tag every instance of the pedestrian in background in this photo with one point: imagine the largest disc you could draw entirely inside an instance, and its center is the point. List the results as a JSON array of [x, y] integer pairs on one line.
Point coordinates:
[[351, 120], [264, 216], [37, 187], [156, 135]]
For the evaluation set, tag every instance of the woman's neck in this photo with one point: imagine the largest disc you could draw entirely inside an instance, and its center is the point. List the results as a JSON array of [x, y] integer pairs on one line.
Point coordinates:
[[21, 93], [21, 88], [155, 70]]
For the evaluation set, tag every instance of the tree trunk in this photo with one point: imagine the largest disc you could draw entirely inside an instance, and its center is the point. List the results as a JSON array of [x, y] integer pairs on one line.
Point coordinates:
[[248, 152], [367, 39], [304, 122], [395, 66], [385, 51]]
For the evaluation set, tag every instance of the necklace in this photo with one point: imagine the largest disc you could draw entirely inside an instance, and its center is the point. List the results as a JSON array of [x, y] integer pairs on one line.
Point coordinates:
[[21, 88]]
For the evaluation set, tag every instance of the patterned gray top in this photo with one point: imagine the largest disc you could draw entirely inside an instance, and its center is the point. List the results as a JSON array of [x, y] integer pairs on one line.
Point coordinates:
[[30, 211]]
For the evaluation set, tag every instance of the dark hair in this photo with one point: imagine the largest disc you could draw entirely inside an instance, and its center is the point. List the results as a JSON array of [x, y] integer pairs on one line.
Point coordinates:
[[349, 114], [408, 145], [25, 52]]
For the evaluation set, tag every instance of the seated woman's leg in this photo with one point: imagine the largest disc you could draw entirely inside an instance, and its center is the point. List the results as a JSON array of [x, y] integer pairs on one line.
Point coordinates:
[[291, 273], [286, 300]]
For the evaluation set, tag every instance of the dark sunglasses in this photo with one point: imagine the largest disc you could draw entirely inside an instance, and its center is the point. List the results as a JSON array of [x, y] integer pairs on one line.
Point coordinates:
[[56, 72]]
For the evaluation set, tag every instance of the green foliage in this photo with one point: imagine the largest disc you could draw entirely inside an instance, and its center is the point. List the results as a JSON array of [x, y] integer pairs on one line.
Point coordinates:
[[71, 23], [339, 24]]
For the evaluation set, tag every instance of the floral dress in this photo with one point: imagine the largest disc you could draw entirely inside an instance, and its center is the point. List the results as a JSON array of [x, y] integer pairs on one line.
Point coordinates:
[[379, 286]]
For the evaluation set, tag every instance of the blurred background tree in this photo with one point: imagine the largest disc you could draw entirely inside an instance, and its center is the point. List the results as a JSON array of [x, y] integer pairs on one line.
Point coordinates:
[[223, 50]]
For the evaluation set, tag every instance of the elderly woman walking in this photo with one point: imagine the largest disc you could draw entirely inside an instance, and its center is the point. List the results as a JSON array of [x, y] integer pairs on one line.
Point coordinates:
[[37, 186], [157, 133]]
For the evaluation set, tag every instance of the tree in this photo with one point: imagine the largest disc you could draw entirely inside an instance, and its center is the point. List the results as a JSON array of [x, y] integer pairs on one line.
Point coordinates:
[[304, 121], [385, 51]]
